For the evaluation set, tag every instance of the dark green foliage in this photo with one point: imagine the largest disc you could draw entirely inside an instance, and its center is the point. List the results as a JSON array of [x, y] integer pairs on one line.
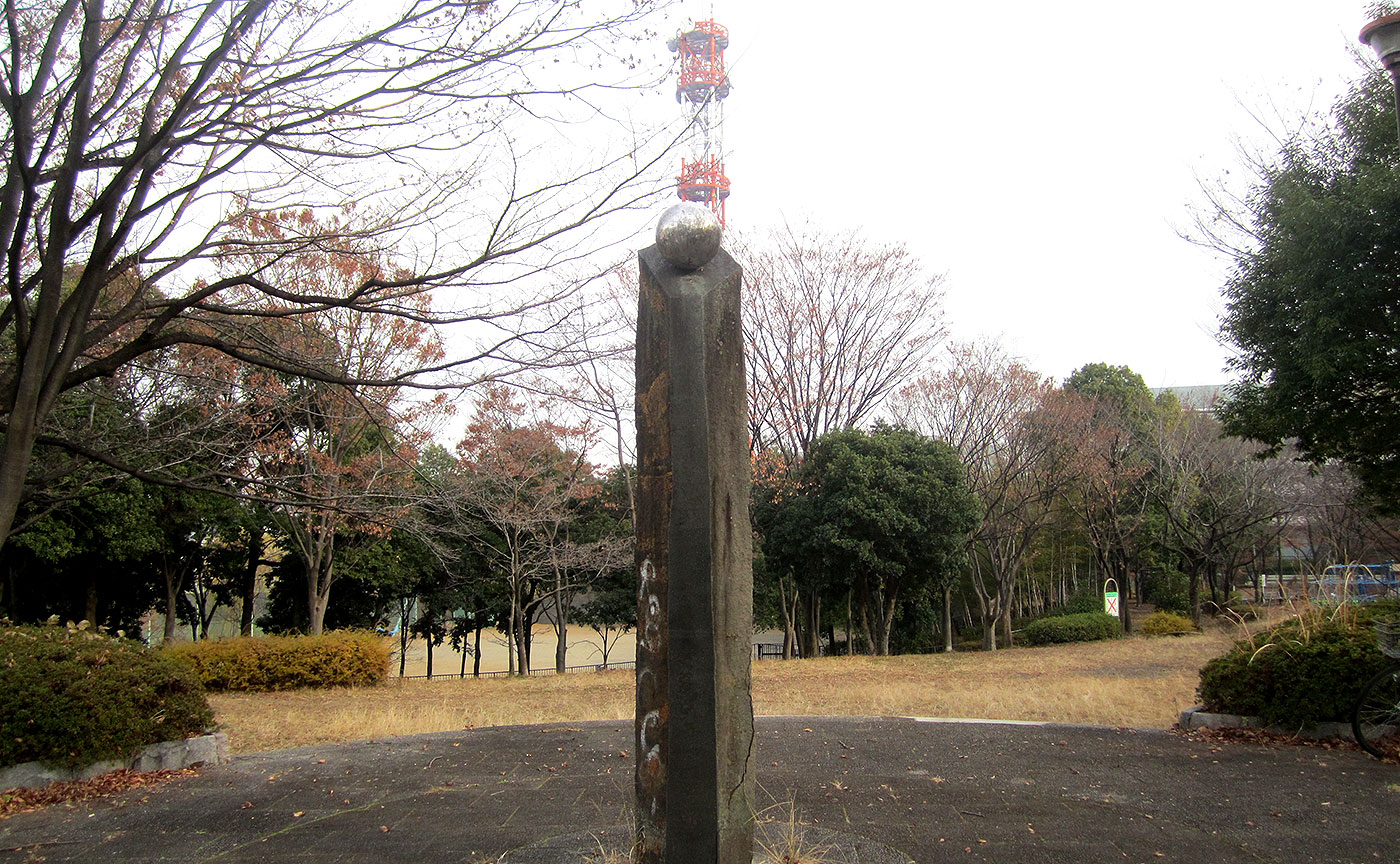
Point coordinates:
[[612, 603], [1167, 624], [1118, 385], [1082, 627], [1083, 602], [1386, 610], [1168, 590], [359, 603], [74, 698], [873, 514], [918, 625], [342, 659], [1312, 305], [1293, 676], [87, 558]]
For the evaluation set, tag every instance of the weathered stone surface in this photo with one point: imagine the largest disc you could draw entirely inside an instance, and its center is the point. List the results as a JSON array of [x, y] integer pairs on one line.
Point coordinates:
[[694, 720], [1199, 718], [209, 749]]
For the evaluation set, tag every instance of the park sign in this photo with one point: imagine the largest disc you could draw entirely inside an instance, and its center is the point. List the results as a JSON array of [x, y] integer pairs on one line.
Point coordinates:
[[1110, 598]]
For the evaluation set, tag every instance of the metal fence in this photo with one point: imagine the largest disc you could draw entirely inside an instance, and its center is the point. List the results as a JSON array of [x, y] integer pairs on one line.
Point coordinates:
[[761, 651], [534, 673]]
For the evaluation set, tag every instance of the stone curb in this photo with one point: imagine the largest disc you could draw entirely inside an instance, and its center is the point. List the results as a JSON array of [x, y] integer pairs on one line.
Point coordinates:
[[209, 749], [1198, 718]]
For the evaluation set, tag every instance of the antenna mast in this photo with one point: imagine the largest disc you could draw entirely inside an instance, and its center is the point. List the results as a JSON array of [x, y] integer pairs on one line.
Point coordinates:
[[702, 86]]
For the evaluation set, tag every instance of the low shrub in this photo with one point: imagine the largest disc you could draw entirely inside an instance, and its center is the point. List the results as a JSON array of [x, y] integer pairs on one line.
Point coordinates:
[[69, 697], [1385, 610], [343, 659], [1296, 674], [1167, 624], [1081, 627]]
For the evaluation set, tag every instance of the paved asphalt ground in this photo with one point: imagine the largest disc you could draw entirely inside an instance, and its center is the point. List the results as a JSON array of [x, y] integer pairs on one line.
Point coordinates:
[[935, 791]]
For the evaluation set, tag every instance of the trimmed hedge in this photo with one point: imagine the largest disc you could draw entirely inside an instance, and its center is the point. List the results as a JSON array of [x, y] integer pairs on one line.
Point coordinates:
[[70, 698], [1082, 627], [1082, 603], [343, 659], [1294, 676], [1167, 624]]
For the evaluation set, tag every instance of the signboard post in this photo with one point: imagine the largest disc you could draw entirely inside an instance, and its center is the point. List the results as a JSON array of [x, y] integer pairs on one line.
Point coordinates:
[[1110, 598]]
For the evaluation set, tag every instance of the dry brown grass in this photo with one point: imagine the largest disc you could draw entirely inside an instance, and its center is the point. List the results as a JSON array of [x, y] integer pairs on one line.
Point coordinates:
[[1130, 682]]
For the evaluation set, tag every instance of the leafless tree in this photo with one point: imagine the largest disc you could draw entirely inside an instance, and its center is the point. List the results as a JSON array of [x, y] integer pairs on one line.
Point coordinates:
[[1330, 523], [1109, 497], [833, 324], [1012, 429], [1218, 497], [523, 476], [137, 132]]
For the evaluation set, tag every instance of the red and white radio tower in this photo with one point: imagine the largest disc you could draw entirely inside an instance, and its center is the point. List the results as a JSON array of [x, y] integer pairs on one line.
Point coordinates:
[[703, 84]]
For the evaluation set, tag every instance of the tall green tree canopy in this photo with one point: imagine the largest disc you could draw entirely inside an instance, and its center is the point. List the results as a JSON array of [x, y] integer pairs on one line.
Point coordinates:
[[885, 511], [1314, 300], [1118, 385]]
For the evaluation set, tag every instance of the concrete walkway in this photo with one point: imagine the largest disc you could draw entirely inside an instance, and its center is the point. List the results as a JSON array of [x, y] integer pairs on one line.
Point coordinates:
[[937, 792]]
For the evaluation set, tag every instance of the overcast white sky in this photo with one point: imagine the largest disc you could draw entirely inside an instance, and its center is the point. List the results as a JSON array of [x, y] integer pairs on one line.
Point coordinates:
[[1041, 155]]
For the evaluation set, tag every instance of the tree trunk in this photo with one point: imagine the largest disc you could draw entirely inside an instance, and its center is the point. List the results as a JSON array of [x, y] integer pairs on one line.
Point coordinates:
[[1193, 595], [811, 624], [172, 596], [850, 627], [865, 631], [887, 625], [476, 654], [90, 600], [789, 607], [511, 631], [319, 574], [319, 601], [462, 673], [522, 645], [948, 618], [249, 587], [22, 427], [403, 634], [989, 623], [428, 641], [561, 628], [207, 618]]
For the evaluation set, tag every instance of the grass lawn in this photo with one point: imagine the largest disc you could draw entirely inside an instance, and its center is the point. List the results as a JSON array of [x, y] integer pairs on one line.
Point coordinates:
[[1135, 682]]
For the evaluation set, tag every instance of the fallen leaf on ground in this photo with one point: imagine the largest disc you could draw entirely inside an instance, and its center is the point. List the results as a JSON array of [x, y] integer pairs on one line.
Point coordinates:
[[25, 800]]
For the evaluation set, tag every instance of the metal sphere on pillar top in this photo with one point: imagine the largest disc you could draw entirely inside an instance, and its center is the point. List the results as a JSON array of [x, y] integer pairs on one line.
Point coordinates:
[[688, 235]]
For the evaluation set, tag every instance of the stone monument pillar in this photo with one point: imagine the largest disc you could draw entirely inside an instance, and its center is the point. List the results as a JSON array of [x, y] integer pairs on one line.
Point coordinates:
[[694, 722]]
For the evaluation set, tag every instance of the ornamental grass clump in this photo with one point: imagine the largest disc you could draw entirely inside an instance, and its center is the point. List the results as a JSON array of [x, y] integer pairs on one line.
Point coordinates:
[[71, 697], [1307, 670]]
